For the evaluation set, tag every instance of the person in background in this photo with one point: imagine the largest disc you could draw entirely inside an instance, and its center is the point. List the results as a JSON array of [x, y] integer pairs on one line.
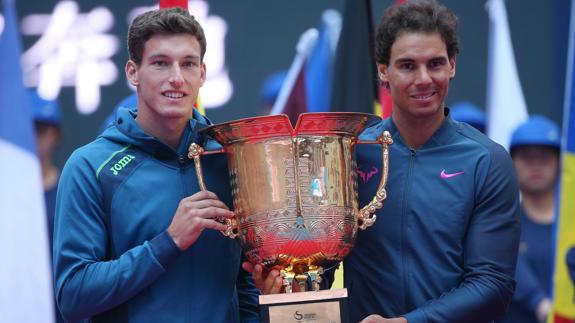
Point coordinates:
[[135, 239], [469, 113], [535, 148], [48, 128], [130, 102], [47, 123]]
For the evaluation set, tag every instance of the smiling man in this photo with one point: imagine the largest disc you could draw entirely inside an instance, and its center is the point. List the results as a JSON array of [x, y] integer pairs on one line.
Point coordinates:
[[135, 240], [444, 246]]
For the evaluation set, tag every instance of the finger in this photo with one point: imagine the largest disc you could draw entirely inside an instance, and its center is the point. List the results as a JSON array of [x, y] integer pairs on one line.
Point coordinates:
[[295, 286], [211, 213], [248, 266], [271, 285], [212, 224], [202, 204], [203, 195], [277, 285], [257, 275]]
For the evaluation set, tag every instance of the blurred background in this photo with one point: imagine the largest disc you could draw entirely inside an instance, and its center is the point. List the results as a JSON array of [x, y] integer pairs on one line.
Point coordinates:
[[250, 40], [512, 64]]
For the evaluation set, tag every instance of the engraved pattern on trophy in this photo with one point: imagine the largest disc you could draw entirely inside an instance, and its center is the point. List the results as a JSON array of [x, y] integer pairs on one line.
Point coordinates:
[[295, 190]]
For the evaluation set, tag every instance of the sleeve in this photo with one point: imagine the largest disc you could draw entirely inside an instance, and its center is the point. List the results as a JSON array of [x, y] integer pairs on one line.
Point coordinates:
[[248, 296], [87, 280], [529, 292], [490, 250]]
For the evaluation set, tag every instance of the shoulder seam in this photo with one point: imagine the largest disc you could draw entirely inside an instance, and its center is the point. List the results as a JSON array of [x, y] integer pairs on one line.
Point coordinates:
[[110, 158]]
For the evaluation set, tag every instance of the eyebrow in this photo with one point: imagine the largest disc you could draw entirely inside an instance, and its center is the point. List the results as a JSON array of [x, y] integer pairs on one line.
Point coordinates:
[[404, 60], [411, 60], [156, 56]]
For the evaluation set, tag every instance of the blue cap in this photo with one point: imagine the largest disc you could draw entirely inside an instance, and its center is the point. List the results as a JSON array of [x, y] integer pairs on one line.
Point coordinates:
[[537, 130], [469, 113], [45, 111], [272, 86], [130, 102]]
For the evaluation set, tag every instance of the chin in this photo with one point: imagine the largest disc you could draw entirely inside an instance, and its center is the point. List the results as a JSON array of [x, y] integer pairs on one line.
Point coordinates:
[[424, 112], [176, 113]]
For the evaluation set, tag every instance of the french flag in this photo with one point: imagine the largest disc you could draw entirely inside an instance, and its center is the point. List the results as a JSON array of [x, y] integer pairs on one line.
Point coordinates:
[[25, 275]]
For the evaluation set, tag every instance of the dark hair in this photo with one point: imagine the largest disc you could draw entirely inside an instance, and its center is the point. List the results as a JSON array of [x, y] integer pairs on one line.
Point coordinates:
[[164, 21], [425, 16]]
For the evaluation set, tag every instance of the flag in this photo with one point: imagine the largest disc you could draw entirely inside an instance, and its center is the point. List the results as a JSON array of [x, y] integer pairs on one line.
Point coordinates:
[[25, 274], [563, 291], [199, 106], [384, 95], [319, 68], [506, 107], [173, 3], [291, 99], [355, 85]]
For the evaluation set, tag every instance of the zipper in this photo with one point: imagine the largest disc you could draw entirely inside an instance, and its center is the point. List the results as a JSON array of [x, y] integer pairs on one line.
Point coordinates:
[[182, 166], [182, 161], [404, 215]]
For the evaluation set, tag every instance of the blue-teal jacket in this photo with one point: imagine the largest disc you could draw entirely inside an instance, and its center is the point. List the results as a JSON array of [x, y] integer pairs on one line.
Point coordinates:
[[114, 260], [444, 245]]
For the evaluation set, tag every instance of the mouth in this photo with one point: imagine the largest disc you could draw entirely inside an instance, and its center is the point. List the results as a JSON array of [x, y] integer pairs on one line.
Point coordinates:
[[423, 96], [174, 95]]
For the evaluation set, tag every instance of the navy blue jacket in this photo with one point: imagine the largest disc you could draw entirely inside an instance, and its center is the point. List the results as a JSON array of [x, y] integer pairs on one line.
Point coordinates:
[[534, 271], [444, 245], [113, 258]]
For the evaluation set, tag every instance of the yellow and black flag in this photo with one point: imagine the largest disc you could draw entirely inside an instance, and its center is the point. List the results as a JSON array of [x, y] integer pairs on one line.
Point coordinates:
[[355, 84]]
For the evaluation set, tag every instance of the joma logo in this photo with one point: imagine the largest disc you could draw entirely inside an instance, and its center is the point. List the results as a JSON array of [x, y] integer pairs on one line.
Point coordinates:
[[121, 164]]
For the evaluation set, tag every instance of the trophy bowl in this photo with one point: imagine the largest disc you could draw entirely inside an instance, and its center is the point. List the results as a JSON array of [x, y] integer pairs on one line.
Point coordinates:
[[295, 189]]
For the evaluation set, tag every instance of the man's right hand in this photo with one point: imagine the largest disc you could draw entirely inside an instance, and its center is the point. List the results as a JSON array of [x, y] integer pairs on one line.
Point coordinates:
[[271, 283], [194, 214], [379, 319]]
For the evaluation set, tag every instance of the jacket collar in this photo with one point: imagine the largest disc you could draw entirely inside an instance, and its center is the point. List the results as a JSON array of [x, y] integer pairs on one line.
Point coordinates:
[[442, 136]]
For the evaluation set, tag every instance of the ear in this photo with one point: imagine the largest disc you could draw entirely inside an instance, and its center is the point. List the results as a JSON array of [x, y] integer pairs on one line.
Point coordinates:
[[132, 73], [203, 77], [383, 73], [452, 61]]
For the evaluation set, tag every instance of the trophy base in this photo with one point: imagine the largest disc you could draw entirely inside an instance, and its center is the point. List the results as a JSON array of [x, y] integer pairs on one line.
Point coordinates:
[[328, 306]]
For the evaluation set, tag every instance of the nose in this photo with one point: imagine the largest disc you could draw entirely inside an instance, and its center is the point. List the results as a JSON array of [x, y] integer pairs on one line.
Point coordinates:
[[176, 78], [422, 76]]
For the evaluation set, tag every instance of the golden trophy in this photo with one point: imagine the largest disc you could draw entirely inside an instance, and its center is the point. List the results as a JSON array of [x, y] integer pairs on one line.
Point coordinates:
[[295, 201]]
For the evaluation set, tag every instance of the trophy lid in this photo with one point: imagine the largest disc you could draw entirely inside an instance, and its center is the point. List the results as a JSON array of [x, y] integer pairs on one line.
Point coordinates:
[[323, 123]]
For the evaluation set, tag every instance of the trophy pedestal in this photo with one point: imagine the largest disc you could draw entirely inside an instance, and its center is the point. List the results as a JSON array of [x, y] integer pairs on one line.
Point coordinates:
[[328, 306]]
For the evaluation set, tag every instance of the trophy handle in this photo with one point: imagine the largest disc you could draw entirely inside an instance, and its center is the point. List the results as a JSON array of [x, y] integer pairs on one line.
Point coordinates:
[[367, 215], [195, 152]]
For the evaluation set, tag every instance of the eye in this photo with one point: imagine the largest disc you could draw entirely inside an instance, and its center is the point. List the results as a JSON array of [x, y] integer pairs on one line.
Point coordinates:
[[189, 64], [437, 63], [407, 66], [159, 63]]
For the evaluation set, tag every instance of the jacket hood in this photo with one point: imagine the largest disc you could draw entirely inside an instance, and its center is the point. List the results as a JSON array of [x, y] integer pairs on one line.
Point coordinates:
[[125, 130]]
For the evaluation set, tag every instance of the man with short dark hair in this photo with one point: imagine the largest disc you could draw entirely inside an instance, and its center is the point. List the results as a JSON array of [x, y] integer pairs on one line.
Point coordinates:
[[135, 238], [444, 246]]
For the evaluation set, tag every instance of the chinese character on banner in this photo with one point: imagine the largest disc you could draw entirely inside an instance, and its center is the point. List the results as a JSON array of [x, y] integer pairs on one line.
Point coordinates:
[[73, 50]]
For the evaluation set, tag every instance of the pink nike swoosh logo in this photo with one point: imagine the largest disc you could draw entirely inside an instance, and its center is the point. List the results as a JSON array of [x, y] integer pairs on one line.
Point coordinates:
[[445, 175]]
